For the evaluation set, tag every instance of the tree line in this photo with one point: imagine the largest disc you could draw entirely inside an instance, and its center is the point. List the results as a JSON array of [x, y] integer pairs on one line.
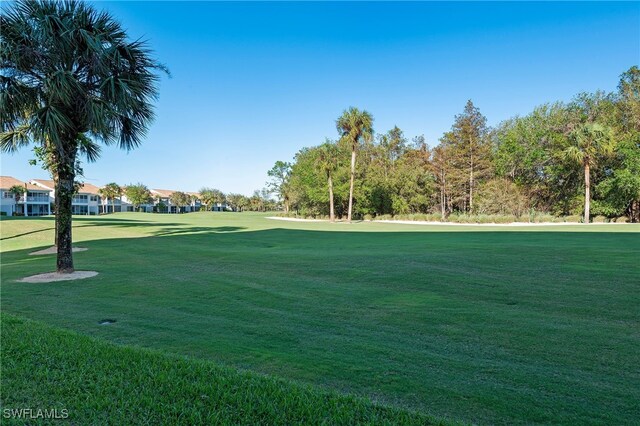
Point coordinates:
[[139, 194], [580, 158]]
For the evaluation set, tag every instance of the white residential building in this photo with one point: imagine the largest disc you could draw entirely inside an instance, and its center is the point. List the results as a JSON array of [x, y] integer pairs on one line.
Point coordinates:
[[117, 205], [34, 201], [86, 202], [163, 204]]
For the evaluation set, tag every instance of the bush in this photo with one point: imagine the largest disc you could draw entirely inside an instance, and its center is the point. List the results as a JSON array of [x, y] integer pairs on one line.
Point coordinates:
[[573, 218], [600, 219], [621, 219], [537, 217]]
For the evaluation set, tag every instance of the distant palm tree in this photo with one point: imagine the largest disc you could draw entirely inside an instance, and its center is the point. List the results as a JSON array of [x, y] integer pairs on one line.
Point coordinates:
[[179, 200], [354, 126], [18, 191], [110, 192], [69, 76], [327, 161], [589, 142]]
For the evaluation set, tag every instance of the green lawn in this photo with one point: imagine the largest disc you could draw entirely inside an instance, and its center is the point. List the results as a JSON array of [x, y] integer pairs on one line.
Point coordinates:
[[99, 383], [479, 324]]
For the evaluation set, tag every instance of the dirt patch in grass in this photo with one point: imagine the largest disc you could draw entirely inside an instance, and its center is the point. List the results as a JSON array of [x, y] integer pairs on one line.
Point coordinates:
[[55, 276], [54, 250]]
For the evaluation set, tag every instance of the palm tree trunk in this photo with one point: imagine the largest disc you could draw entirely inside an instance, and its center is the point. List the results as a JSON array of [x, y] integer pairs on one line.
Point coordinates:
[[332, 215], [587, 192], [55, 204], [113, 205], [353, 173], [64, 199]]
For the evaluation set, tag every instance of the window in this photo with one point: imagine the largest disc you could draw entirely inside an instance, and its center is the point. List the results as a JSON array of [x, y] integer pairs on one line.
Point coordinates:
[[80, 209], [37, 209], [80, 198], [7, 194], [94, 198]]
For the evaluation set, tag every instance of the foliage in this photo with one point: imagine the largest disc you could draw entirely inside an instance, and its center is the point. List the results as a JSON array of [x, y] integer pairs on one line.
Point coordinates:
[[71, 78], [211, 196], [180, 199], [18, 191], [279, 183], [501, 196], [355, 128], [111, 191], [470, 153], [533, 163], [137, 194], [238, 202]]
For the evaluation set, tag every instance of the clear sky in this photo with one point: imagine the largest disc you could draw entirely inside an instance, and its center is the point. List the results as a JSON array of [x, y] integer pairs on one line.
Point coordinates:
[[255, 82]]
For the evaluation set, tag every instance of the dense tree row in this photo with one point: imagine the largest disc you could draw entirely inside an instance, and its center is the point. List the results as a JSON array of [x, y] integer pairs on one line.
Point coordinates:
[[139, 194], [576, 158], [259, 201]]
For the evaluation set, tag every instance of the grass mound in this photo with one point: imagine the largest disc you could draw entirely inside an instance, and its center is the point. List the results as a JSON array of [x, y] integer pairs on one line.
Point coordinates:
[[102, 383]]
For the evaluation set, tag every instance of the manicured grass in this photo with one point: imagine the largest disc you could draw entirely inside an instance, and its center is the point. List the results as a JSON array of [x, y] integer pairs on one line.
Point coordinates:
[[101, 383], [480, 324]]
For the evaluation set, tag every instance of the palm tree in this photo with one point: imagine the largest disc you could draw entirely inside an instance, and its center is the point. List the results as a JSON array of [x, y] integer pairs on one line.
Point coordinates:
[[18, 191], [179, 199], [110, 191], [589, 142], [354, 126], [327, 162], [69, 76]]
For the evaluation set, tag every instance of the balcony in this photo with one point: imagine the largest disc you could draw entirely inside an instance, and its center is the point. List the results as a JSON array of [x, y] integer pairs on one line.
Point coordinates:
[[37, 199]]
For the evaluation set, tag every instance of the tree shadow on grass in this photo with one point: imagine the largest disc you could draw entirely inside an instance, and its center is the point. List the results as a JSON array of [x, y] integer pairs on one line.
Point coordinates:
[[26, 233], [166, 231], [86, 222]]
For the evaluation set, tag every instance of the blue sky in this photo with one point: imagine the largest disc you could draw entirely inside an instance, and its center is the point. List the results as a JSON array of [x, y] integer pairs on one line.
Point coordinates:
[[254, 82]]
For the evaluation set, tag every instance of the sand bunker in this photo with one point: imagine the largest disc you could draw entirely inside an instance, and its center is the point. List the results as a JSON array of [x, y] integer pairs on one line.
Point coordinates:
[[50, 277], [54, 250]]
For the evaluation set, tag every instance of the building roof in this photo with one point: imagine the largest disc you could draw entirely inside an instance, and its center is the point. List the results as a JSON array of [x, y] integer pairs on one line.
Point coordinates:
[[163, 192], [6, 182], [44, 183], [86, 188]]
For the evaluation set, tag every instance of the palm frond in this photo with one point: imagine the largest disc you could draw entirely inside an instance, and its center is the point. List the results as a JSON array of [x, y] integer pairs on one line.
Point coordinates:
[[68, 72], [11, 140], [88, 148]]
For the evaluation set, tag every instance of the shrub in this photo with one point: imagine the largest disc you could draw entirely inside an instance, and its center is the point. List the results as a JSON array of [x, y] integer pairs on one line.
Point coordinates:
[[543, 217], [573, 218]]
